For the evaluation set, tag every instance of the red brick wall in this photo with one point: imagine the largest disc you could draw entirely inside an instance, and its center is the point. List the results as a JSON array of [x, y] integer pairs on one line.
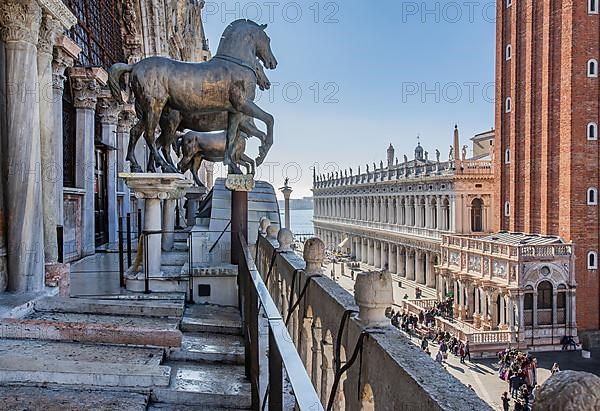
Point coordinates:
[[552, 162]]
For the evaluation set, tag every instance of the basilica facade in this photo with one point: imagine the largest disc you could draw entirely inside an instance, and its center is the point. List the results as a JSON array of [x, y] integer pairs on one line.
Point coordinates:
[[64, 138]]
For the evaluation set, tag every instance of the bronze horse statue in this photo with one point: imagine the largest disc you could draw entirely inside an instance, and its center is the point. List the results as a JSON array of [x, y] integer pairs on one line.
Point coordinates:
[[172, 121], [227, 82], [197, 147]]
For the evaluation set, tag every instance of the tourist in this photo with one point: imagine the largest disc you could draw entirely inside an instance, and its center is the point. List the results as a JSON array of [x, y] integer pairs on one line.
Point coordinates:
[[444, 348], [461, 351], [555, 368], [405, 297], [468, 351], [439, 357], [505, 401], [424, 344]]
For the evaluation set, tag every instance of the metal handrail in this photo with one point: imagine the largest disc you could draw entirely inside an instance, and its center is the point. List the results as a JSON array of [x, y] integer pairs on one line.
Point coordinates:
[[282, 351]]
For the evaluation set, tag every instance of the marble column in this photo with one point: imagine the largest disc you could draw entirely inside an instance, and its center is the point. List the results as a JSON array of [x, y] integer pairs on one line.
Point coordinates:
[[86, 84], [392, 260], [410, 264], [365, 251], [401, 261], [384, 255], [377, 246], [50, 29], [108, 111], [429, 270], [19, 29], [420, 272], [168, 224], [126, 121], [65, 54], [371, 247]]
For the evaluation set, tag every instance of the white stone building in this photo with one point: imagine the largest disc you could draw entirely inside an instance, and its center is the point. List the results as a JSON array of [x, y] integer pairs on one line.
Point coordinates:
[[393, 216]]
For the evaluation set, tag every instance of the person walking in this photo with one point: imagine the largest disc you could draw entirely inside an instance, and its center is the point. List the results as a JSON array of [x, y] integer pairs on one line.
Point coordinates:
[[461, 352], [555, 368], [424, 344], [468, 351], [505, 401], [439, 358]]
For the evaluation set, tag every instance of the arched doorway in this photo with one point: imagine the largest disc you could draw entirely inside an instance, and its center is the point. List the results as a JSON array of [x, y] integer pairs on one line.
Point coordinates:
[[477, 215]]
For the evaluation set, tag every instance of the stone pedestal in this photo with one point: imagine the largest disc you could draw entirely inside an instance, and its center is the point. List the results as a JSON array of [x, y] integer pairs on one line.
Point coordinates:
[[193, 196], [287, 192], [152, 188], [239, 185], [374, 293]]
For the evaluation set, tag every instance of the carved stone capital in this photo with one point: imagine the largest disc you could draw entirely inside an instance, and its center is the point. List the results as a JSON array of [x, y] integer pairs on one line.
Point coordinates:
[[86, 86], [239, 182], [20, 20], [127, 119], [65, 53], [50, 30], [108, 109]]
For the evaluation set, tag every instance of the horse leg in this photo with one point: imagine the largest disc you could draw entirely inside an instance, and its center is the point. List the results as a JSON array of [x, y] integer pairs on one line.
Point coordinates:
[[248, 163], [197, 162], [169, 122], [232, 137], [134, 136], [250, 108], [152, 119], [248, 127]]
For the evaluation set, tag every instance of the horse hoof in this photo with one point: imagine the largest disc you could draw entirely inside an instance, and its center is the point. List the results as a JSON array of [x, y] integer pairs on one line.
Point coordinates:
[[136, 169]]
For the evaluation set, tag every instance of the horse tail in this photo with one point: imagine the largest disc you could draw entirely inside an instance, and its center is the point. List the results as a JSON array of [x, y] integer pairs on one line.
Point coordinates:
[[114, 76]]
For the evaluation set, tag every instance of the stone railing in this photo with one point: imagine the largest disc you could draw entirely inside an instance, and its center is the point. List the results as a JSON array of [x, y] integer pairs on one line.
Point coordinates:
[[416, 306], [476, 167], [324, 325]]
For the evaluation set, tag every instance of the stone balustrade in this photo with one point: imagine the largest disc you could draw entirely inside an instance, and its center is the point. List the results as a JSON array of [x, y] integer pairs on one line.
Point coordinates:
[[391, 373]]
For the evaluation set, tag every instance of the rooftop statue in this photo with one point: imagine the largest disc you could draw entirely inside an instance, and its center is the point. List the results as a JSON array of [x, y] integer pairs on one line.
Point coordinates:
[[227, 83], [437, 155], [405, 159], [451, 154]]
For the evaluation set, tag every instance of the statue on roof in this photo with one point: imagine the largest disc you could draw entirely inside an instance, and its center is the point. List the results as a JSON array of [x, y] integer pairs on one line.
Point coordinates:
[[350, 171], [437, 155], [405, 159], [451, 154], [381, 165], [464, 152], [426, 155]]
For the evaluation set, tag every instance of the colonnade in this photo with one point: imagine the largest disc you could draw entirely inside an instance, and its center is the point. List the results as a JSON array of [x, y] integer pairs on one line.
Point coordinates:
[[426, 211]]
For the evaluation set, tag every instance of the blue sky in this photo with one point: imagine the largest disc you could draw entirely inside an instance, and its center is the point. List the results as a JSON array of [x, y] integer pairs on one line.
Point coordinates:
[[354, 76]]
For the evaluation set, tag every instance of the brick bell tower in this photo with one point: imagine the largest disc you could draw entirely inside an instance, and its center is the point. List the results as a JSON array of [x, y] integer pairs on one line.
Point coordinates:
[[547, 114]]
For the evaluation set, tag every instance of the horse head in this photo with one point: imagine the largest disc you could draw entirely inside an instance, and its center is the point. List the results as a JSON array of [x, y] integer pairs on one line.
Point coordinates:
[[263, 48], [262, 80]]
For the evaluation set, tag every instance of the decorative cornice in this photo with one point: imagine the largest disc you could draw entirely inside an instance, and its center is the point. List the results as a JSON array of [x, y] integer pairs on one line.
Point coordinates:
[[60, 12], [20, 20]]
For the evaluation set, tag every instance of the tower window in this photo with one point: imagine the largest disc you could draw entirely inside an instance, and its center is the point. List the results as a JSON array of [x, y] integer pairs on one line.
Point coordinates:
[[592, 68], [508, 105], [507, 209], [507, 156], [508, 52], [592, 260], [593, 6], [592, 196], [592, 131]]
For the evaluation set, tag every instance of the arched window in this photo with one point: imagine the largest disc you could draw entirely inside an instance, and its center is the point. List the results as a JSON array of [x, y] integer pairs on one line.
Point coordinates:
[[477, 215], [544, 303], [561, 304], [507, 209], [528, 306], [593, 6], [508, 105], [592, 260], [592, 68], [507, 156], [592, 131], [592, 196], [508, 52]]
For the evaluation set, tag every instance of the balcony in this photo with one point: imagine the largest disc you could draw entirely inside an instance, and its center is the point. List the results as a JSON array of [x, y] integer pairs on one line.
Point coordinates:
[[351, 366]]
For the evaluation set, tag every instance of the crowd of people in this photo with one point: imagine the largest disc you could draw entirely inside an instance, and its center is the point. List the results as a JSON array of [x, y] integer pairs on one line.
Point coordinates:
[[519, 370]]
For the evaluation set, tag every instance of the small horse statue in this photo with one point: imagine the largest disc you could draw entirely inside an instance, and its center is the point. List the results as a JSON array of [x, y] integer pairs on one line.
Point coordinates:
[[227, 82], [197, 147], [172, 121]]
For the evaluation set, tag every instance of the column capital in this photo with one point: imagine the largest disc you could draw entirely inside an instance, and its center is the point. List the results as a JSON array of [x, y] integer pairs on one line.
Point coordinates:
[[50, 30], [108, 109], [65, 53], [86, 85], [20, 20], [127, 119]]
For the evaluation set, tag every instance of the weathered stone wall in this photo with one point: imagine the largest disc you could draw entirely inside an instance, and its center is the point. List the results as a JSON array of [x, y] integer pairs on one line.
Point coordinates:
[[391, 373]]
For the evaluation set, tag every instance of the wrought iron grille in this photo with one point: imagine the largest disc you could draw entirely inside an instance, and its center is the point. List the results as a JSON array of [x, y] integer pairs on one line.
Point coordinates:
[[98, 32], [69, 138]]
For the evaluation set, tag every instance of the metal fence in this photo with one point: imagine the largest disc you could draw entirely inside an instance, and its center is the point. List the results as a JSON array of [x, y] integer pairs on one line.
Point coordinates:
[[256, 301]]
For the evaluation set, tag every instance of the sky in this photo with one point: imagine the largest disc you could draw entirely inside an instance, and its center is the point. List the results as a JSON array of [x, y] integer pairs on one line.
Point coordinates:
[[355, 76]]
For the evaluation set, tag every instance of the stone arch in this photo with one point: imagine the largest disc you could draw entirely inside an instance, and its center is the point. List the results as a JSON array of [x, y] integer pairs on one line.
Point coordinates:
[[327, 365], [477, 215], [306, 340], [339, 403], [317, 358]]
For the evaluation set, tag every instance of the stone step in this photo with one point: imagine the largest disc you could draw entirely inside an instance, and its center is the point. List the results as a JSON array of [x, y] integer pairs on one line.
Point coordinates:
[[174, 258], [228, 349], [65, 399], [179, 407], [110, 307], [174, 297], [92, 328], [18, 370], [212, 385], [211, 319], [58, 351]]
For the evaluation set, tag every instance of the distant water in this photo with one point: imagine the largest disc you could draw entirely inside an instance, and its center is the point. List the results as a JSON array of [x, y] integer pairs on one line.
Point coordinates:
[[300, 220]]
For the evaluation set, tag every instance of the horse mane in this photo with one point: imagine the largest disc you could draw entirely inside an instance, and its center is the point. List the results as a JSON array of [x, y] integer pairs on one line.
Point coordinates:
[[235, 24]]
